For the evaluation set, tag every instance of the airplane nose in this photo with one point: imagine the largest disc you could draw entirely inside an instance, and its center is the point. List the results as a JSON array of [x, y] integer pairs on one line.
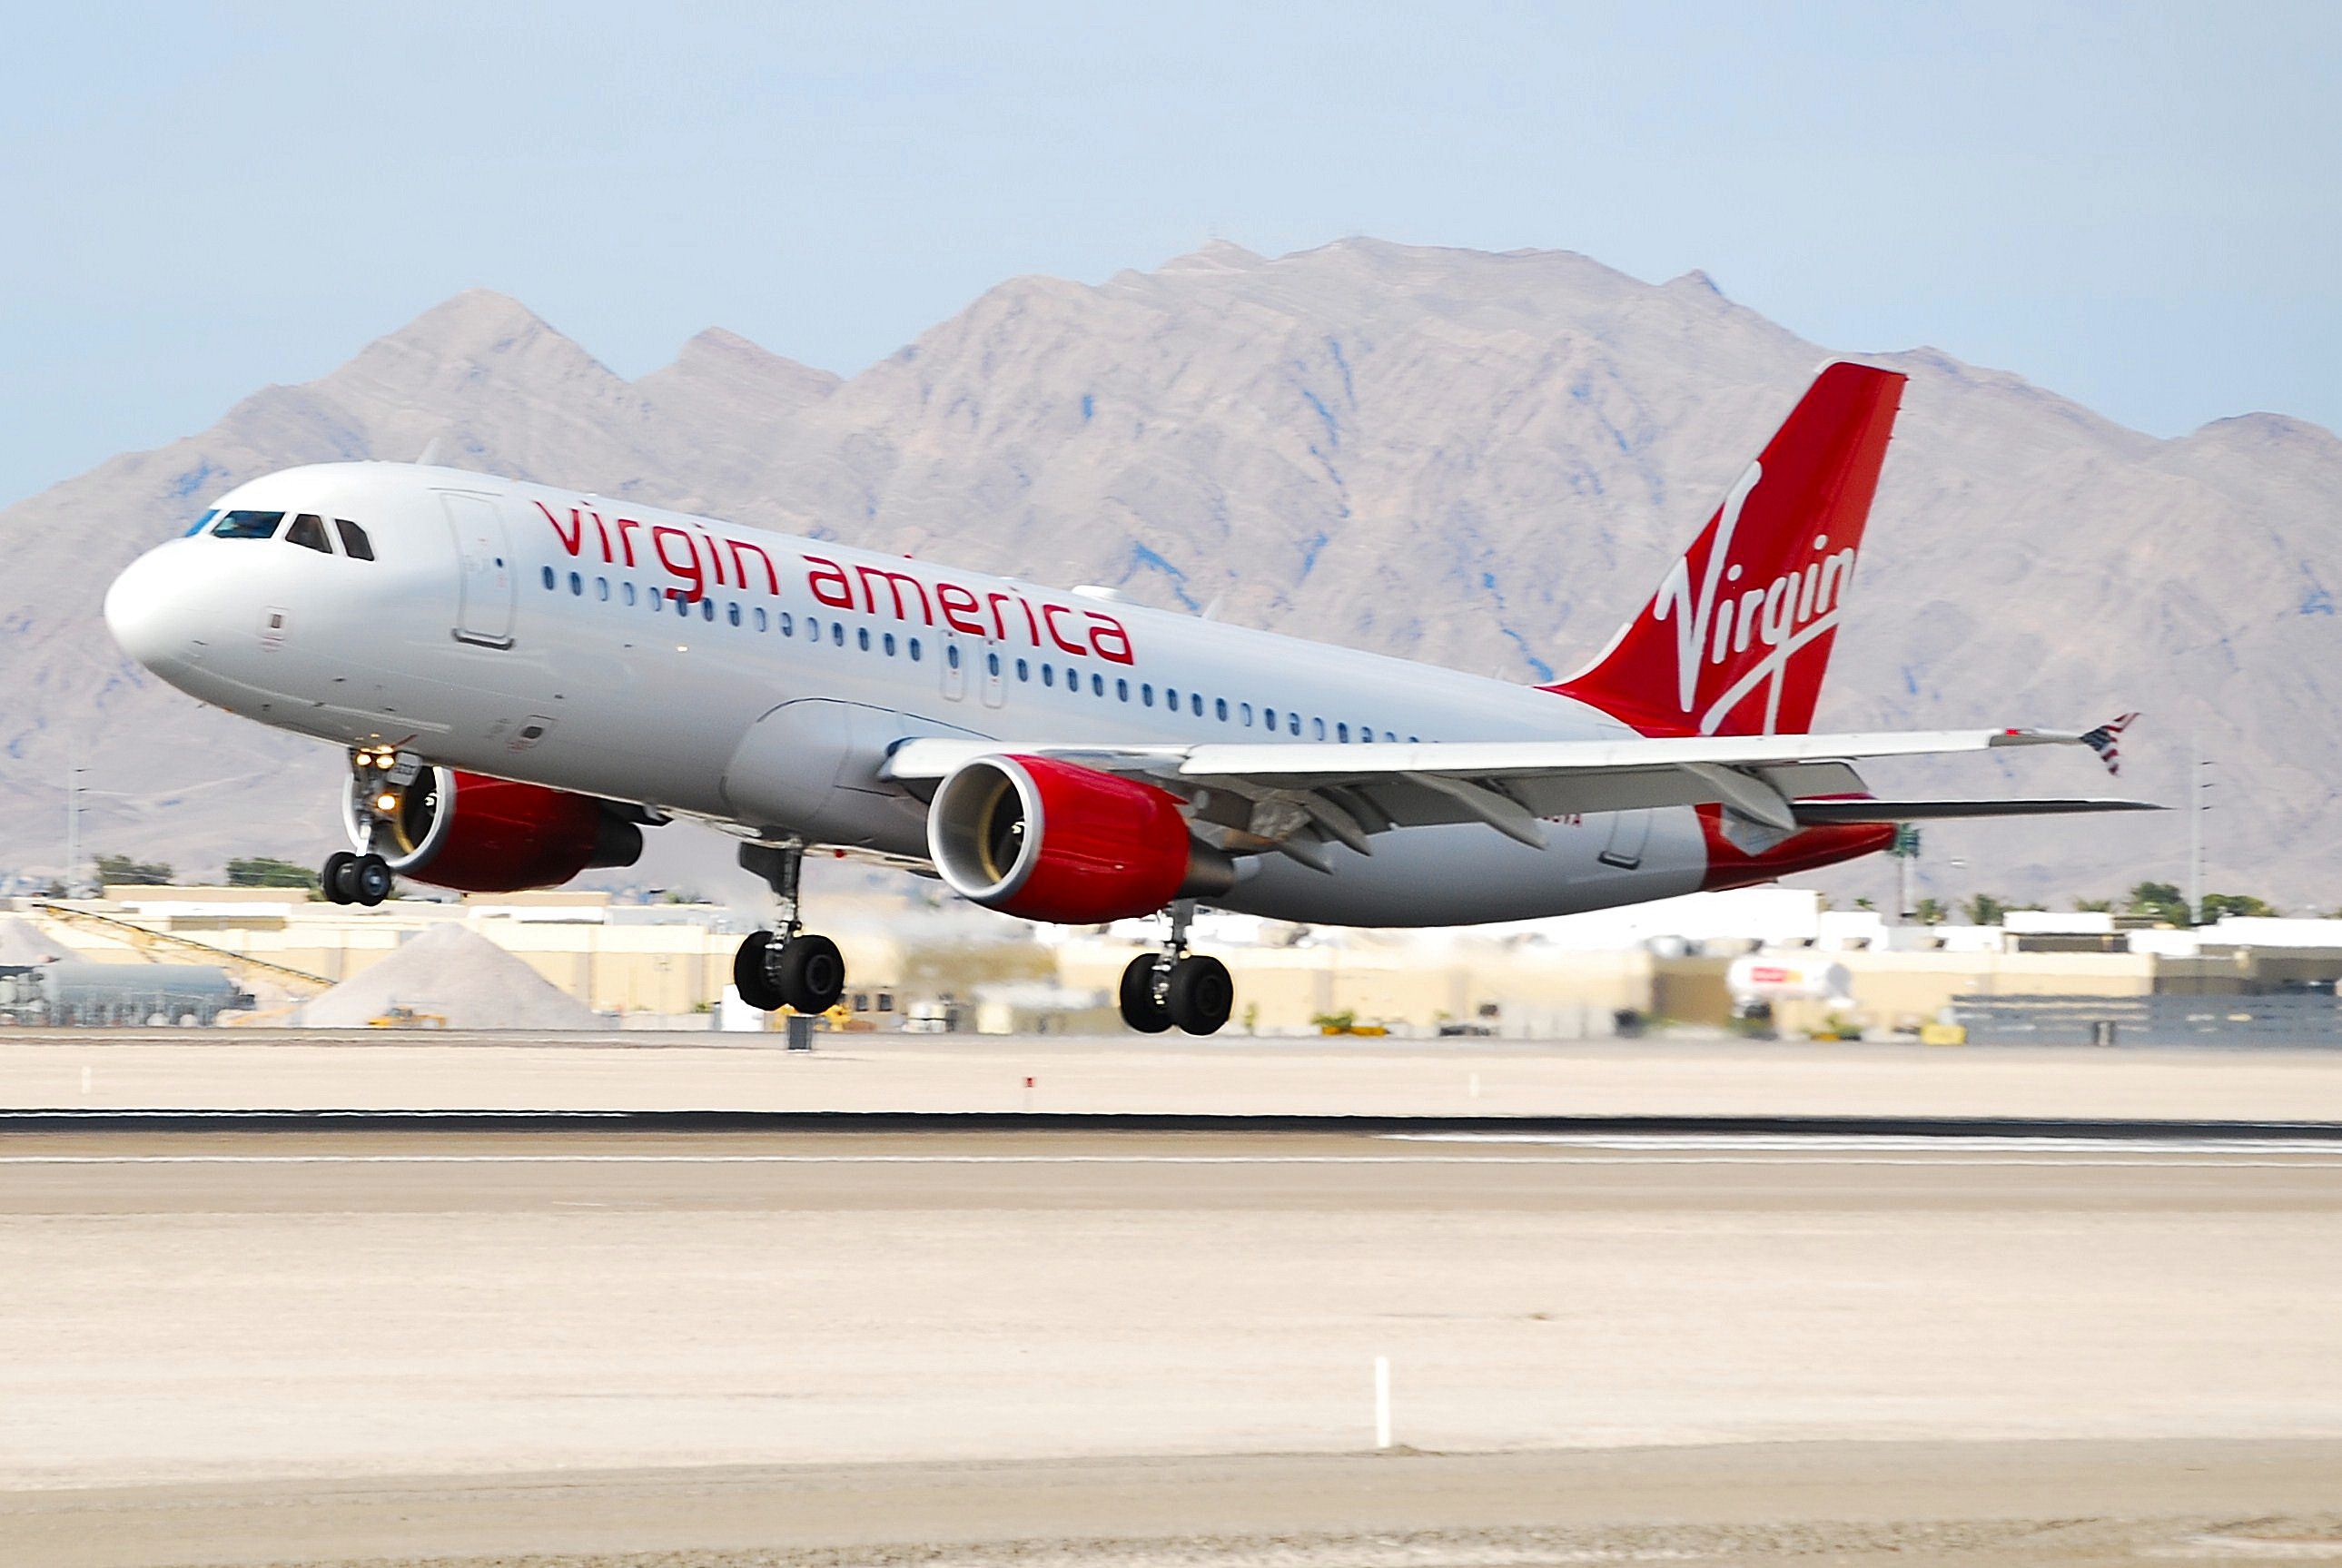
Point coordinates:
[[139, 613]]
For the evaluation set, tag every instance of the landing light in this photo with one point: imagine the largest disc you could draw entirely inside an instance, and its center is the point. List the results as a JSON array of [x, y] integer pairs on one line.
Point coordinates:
[[385, 801]]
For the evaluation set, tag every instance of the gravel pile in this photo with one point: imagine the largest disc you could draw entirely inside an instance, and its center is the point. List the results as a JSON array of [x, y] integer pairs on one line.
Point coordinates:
[[457, 974], [22, 942]]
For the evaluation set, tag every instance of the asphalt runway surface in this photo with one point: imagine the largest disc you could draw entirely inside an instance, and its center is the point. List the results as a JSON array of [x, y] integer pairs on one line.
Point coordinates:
[[570, 1346], [1126, 1075]]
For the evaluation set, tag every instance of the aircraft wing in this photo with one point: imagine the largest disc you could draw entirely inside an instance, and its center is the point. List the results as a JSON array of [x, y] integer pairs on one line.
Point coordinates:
[[1293, 795]]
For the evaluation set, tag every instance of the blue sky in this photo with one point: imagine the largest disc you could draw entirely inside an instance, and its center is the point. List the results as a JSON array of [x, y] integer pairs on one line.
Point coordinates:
[[2138, 206]]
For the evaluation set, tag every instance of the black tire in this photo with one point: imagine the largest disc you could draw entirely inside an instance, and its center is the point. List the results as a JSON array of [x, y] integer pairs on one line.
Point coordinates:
[[371, 880], [748, 976], [1200, 994], [1142, 1009], [333, 880], [811, 974]]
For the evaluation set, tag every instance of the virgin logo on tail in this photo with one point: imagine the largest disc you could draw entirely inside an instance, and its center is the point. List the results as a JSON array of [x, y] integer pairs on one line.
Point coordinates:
[[1724, 619], [1737, 638]]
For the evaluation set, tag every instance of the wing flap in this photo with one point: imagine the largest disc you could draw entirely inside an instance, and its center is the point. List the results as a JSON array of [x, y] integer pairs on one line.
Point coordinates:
[[1813, 812]]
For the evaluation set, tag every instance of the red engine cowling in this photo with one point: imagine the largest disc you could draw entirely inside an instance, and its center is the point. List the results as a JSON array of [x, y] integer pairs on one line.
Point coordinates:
[[1049, 840], [481, 834]]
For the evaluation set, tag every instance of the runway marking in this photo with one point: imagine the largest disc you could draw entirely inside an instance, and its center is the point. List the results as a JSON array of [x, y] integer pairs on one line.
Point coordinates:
[[2180, 1160], [1871, 1143]]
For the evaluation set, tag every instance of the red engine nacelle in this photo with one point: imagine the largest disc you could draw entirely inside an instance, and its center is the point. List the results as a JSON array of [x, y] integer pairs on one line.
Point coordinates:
[[481, 834], [1049, 840]]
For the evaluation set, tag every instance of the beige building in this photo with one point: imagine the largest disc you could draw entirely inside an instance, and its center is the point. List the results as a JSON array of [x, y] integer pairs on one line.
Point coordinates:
[[673, 962]]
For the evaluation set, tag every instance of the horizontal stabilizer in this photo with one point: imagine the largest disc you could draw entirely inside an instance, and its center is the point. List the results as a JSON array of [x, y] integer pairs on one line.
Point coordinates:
[[1814, 812]]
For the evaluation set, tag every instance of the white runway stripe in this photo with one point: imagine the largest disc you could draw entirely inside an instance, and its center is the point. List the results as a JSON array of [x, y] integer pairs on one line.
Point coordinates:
[[2177, 1159], [1876, 1142]]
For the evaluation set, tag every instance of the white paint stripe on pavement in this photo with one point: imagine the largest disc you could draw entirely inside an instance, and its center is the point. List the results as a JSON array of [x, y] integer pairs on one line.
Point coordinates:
[[2179, 1159], [1882, 1142]]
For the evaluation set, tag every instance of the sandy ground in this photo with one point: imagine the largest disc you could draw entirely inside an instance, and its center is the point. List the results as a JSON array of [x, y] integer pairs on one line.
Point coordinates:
[[296, 1347], [1858, 1504], [248, 1069]]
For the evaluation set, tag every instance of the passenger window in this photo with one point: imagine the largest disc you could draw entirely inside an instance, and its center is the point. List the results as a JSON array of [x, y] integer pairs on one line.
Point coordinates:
[[991, 663], [1293, 723], [1269, 717], [1147, 694], [760, 617], [1220, 709], [576, 584], [200, 524], [1245, 711], [1317, 729], [1196, 703], [1365, 736], [915, 650], [887, 641], [354, 543], [1023, 672], [308, 531], [548, 579], [1121, 690], [862, 638], [248, 526], [788, 625], [837, 634], [1049, 675], [1171, 698], [602, 589], [629, 587], [732, 611], [951, 654], [1341, 733]]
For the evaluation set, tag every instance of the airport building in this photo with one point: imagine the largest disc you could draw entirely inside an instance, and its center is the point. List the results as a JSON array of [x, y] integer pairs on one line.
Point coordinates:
[[1697, 961]]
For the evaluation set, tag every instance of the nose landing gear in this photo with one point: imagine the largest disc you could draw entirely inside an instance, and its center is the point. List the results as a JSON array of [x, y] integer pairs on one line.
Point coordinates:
[[363, 879], [790, 967], [1176, 987]]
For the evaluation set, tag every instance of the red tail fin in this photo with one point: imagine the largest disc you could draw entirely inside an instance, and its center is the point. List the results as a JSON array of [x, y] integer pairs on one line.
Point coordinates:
[[1738, 635]]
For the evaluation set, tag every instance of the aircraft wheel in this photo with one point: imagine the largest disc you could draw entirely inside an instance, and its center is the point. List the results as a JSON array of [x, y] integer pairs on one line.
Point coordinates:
[[811, 974], [371, 880], [1142, 1004], [750, 973], [1200, 994], [333, 880]]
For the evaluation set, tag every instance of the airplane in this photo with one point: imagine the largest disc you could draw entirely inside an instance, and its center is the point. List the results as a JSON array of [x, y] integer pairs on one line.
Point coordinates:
[[526, 677]]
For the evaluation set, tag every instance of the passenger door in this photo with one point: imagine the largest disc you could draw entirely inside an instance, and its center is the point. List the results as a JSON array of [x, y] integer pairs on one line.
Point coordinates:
[[483, 606]]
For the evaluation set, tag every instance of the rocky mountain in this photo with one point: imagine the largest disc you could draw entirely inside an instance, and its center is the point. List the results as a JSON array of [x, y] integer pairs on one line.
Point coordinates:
[[1483, 460]]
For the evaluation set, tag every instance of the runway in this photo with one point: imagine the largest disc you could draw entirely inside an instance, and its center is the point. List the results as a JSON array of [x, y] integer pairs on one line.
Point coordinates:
[[251, 1346]]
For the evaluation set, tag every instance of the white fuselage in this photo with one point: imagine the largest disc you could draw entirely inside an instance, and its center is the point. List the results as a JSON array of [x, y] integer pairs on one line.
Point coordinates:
[[758, 680]]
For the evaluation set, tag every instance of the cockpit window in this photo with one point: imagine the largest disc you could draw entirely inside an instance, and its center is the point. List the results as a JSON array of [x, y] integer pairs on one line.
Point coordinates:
[[202, 523], [248, 526], [308, 531], [354, 543]]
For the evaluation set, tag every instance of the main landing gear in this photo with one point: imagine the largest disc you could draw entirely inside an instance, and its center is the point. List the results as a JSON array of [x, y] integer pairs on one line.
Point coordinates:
[[1175, 986], [349, 878], [790, 967]]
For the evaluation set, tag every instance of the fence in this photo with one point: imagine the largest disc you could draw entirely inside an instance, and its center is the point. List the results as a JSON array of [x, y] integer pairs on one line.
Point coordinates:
[[2284, 1018]]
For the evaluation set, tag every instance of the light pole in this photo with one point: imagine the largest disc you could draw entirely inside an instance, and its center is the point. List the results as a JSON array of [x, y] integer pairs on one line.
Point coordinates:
[[2197, 784], [73, 816]]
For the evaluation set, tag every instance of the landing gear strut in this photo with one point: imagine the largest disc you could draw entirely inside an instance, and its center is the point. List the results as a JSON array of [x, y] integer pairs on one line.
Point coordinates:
[[365, 877], [789, 967], [1175, 986]]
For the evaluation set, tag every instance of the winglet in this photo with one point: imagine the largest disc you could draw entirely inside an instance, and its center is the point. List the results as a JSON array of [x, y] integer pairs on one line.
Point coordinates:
[[2104, 738]]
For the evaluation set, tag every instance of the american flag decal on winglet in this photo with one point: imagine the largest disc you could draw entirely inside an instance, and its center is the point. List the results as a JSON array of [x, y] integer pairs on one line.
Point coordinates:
[[2104, 740]]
